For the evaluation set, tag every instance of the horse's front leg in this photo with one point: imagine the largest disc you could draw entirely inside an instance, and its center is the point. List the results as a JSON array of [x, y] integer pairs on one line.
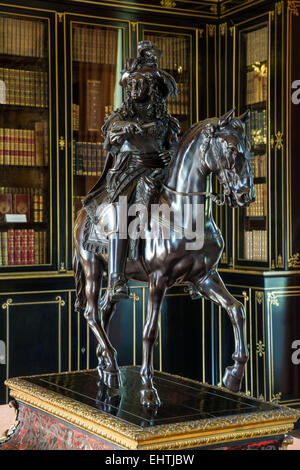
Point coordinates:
[[157, 289], [214, 289]]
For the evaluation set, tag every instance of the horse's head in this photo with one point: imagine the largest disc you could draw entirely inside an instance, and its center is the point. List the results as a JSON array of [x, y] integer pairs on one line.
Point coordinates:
[[229, 159]]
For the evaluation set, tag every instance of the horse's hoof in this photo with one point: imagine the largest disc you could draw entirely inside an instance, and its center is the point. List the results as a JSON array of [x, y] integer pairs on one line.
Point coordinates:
[[112, 379], [231, 381], [149, 398]]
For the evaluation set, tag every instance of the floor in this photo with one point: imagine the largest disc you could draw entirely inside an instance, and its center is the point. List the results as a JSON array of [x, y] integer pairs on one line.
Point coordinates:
[[7, 418]]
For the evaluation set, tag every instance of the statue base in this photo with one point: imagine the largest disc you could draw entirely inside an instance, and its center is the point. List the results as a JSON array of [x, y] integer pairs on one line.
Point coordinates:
[[73, 410]]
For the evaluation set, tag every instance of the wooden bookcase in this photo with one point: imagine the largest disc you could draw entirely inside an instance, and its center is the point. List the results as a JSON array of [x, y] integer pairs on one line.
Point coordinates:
[[25, 113]]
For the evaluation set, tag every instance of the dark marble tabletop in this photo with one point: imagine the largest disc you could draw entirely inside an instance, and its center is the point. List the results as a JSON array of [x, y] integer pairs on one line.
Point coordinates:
[[182, 400]]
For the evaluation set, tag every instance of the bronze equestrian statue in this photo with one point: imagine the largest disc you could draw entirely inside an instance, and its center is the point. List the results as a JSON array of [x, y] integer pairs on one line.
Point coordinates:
[[146, 164]]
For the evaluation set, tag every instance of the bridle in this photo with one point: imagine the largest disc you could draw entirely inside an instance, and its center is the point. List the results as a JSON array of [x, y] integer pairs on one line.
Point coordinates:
[[213, 196], [218, 199]]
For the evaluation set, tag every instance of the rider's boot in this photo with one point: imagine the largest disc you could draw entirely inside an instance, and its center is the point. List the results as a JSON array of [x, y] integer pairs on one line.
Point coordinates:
[[117, 255]]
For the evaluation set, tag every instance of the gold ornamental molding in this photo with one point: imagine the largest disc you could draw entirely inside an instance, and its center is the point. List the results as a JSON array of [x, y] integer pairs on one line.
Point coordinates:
[[279, 140], [60, 16], [293, 261], [259, 296], [211, 29], [293, 8], [201, 32], [223, 29], [168, 4], [260, 348], [191, 434], [61, 143], [278, 8], [273, 299], [276, 398]]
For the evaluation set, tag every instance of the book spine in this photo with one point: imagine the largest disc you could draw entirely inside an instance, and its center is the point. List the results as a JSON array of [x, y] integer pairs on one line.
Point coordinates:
[[4, 248], [24, 247], [35, 206], [30, 247], [1, 146], [10, 247]]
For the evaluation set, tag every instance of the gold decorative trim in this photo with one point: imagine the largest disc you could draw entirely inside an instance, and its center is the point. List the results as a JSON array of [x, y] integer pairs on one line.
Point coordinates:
[[293, 8], [175, 10], [201, 33], [172, 436], [280, 263], [168, 4], [60, 17], [260, 348], [276, 398], [273, 299], [278, 8], [223, 28], [288, 440], [134, 26], [62, 268], [259, 295], [62, 143], [278, 140], [211, 29], [293, 261]]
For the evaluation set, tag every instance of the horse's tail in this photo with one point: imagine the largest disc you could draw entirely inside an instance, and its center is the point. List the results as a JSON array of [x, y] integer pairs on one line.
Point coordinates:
[[80, 302]]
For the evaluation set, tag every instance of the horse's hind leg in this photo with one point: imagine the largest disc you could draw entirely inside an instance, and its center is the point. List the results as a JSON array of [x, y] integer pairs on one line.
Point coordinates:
[[108, 367], [214, 289]]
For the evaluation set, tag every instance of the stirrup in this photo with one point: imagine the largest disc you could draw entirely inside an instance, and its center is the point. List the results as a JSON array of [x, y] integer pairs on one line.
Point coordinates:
[[119, 290]]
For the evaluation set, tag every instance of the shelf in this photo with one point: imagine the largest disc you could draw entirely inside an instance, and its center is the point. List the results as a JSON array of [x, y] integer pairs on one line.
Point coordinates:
[[259, 105], [23, 225], [40, 167], [17, 107], [77, 63], [88, 175], [255, 222], [6, 59], [260, 179], [259, 149]]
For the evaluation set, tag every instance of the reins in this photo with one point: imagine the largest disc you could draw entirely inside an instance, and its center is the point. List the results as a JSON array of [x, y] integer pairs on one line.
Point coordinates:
[[213, 196]]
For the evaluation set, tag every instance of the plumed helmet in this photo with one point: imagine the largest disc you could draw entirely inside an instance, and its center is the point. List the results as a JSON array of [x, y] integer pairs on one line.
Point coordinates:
[[147, 63]]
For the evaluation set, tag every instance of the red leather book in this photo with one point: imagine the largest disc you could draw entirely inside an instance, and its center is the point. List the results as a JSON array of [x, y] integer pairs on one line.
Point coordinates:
[[22, 205], [5, 205]]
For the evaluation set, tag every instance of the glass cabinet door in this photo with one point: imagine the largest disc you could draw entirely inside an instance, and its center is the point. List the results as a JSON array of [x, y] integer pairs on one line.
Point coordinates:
[[253, 94], [96, 63], [176, 48], [25, 215]]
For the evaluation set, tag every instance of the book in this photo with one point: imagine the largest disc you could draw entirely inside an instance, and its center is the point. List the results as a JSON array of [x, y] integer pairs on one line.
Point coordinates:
[[10, 247], [4, 248], [22, 37], [95, 45], [5, 204], [93, 97], [25, 87], [22, 205]]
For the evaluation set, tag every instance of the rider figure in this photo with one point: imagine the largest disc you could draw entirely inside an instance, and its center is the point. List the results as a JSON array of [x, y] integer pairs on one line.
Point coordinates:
[[139, 138]]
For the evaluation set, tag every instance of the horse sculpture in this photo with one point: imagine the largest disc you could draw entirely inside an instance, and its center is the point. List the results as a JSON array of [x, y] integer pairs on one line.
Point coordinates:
[[213, 146]]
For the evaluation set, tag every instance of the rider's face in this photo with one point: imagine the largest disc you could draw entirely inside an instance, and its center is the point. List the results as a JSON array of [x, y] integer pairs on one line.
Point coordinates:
[[138, 87]]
